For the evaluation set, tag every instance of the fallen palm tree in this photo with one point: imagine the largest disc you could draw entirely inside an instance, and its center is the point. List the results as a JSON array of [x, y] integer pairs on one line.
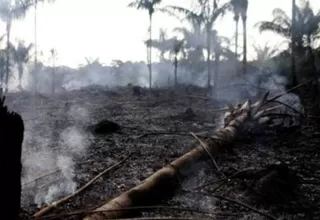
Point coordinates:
[[163, 183]]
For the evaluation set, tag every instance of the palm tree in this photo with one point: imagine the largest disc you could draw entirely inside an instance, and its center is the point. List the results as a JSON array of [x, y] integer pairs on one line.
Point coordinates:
[[21, 56], [53, 57], [10, 10], [206, 17], [301, 30], [243, 14], [35, 3], [148, 5], [177, 49], [163, 44], [305, 28], [209, 18], [293, 46], [221, 50], [2, 66], [236, 11], [264, 53], [193, 36]]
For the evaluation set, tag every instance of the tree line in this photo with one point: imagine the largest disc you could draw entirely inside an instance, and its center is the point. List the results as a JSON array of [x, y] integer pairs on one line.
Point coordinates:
[[196, 49], [301, 30]]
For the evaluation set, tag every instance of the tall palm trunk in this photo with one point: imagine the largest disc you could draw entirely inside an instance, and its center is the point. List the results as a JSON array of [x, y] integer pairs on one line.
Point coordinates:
[[244, 24], [175, 69], [53, 81], [53, 85], [150, 51], [216, 70], [35, 49], [35, 31], [208, 56], [236, 45], [216, 74], [2, 79], [293, 46], [8, 55], [20, 70]]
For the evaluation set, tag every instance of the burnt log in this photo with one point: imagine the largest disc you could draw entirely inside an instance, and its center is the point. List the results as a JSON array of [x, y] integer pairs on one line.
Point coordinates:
[[11, 138], [136, 91], [164, 183]]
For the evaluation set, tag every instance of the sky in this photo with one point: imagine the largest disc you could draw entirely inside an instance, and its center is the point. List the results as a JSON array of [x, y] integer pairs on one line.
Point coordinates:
[[110, 30]]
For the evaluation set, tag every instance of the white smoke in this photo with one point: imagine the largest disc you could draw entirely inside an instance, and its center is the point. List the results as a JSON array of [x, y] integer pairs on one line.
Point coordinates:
[[63, 187], [49, 156], [254, 86]]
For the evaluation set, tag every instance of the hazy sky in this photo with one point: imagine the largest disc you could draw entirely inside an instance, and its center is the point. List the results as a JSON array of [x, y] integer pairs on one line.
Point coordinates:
[[109, 30]]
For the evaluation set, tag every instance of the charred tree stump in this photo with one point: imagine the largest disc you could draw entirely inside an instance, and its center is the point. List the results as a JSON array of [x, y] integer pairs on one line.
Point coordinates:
[[105, 127], [11, 138]]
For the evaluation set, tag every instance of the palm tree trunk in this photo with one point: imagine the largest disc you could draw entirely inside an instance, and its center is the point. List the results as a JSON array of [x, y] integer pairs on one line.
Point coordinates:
[[293, 46], [236, 46], [164, 183], [35, 48], [53, 79], [244, 23], [175, 70], [150, 51], [35, 31], [8, 54], [216, 70], [208, 56], [20, 70]]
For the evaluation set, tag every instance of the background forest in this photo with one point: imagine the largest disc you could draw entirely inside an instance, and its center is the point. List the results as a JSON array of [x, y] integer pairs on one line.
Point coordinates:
[[193, 54]]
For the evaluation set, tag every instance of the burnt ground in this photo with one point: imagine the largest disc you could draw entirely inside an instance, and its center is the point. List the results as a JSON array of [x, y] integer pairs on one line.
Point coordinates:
[[143, 123]]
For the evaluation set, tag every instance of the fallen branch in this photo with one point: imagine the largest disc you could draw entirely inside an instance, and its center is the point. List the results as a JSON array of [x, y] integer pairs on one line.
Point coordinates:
[[287, 106], [166, 133], [224, 179], [163, 183], [48, 174], [47, 209], [207, 150]]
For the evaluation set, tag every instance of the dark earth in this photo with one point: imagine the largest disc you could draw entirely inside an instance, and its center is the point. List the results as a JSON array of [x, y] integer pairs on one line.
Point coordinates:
[[275, 171]]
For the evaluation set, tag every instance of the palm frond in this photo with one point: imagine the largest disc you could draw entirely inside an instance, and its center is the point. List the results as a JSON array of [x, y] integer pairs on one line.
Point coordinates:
[[271, 26], [182, 30], [278, 12], [218, 12], [2, 37], [138, 4], [188, 14], [166, 11], [281, 18], [133, 4], [144, 4], [156, 2]]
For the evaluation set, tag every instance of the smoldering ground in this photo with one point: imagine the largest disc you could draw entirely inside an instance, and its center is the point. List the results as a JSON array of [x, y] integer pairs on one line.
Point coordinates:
[[52, 145], [65, 147]]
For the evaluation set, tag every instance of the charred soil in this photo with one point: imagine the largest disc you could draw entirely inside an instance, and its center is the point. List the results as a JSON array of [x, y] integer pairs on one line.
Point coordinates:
[[275, 172]]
